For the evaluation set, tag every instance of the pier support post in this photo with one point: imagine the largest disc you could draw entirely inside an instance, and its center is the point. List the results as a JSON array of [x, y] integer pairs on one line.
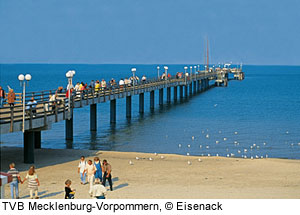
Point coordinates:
[[37, 139], [152, 100], [198, 86], [191, 88], [69, 127], [186, 91], [93, 117], [113, 111], [202, 85], [175, 93], [195, 87], [168, 95], [141, 103], [161, 96], [29, 147], [181, 92], [128, 107]]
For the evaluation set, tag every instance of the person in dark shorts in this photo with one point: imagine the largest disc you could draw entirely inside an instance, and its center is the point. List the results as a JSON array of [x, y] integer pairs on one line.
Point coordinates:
[[106, 169]]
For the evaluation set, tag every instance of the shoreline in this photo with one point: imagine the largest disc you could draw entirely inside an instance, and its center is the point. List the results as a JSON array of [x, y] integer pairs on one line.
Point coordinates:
[[167, 177]]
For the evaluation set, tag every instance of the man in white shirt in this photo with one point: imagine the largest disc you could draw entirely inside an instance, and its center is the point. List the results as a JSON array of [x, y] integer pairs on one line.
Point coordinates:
[[90, 170], [121, 83], [98, 190], [81, 168]]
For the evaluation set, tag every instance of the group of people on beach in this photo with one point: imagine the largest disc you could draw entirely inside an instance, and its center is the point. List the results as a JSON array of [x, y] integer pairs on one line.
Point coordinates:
[[95, 175], [91, 172]]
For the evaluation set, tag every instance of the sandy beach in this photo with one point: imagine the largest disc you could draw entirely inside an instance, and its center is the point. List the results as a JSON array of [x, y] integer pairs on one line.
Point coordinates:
[[168, 177]]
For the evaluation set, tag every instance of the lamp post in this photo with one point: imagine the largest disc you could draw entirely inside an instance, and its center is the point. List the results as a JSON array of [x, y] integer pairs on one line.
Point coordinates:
[[22, 79], [133, 70], [166, 72], [70, 74], [195, 67], [185, 71], [157, 72], [198, 68], [191, 72]]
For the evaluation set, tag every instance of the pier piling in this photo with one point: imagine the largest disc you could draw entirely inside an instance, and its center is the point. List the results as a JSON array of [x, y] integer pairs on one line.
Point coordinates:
[[161, 96], [152, 100], [113, 111], [69, 126], [93, 117], [141, 103], [128, 107], [37, 139], [168, 95], [29, 147], [175, 94], [181, 92]]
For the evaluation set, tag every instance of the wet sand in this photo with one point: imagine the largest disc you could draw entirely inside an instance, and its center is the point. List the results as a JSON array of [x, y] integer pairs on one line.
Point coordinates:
[[170, 177]]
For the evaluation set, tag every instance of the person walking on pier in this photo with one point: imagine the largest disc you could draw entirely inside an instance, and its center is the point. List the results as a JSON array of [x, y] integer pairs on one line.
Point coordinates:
[[11, 97], [90, 170], [31, 105], [106, 169], [144, 78], [98, 173], [112, 82], [81, 168], [33, 182], [2, 97], [121, 83], [14, 185], [97, 86], [103, 84]]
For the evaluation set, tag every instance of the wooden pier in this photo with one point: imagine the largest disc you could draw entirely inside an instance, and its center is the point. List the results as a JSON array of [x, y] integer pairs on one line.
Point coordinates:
[[46, 113]]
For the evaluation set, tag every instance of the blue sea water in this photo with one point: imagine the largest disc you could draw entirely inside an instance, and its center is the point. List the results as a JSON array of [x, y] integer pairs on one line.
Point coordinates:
[[263, 110]]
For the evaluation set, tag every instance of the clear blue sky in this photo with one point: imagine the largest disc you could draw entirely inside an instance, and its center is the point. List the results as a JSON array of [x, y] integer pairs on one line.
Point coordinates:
[[149, 31]]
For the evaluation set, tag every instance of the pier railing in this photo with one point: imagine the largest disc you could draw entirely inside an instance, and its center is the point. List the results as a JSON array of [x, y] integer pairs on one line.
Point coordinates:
[[59, 105]]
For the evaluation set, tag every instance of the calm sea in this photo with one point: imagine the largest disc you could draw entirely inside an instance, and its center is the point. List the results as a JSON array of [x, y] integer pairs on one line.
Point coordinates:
[[262, 112]]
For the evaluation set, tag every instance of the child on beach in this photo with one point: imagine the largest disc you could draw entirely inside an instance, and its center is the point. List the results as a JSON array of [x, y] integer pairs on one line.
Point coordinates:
[[33, 182], [81, 168], [90, 170], [69, 191]]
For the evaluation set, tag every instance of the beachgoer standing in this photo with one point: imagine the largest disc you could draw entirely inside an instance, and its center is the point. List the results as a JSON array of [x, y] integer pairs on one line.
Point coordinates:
[[69, 191], [33, 182], [98, 173], [11, 97], [14, 185], [106, 169], [90, 170], [81, 168], [98, 191], [2, 97]]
